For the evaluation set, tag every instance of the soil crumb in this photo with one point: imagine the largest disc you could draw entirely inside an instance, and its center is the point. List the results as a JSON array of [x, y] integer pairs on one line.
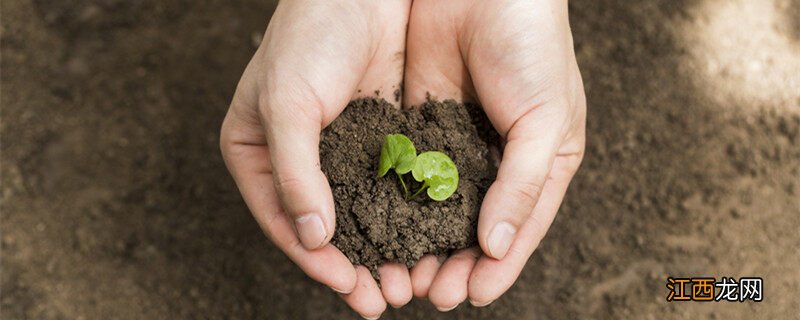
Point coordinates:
[[374, 223]]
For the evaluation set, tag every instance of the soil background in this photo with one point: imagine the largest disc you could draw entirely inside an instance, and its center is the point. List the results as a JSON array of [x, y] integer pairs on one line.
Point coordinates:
[[116, 203]]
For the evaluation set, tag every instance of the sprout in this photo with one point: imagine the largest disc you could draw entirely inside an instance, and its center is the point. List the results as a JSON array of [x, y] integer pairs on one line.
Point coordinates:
[[397, 153], [434, 169], [438, 174]]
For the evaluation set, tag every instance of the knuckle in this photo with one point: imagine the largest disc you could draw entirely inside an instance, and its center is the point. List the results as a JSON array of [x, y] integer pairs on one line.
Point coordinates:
[[517, 251], [288, 183], [271, 221], [226, 148], [526, 192], [466, 256], [540, 230], [571, 164], [573, 169], [225, 134], [289, 244], [224, 142], [272, 218], [293, 99]]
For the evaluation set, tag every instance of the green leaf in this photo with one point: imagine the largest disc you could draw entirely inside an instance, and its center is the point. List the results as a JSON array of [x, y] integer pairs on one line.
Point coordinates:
[[397, 153], [438, 172]]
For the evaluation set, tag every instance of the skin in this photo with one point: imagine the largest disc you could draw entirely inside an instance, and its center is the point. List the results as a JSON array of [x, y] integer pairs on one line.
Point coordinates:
[[515, 57]]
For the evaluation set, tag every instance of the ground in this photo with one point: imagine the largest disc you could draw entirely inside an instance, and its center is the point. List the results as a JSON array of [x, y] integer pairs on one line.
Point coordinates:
[[116, 203]]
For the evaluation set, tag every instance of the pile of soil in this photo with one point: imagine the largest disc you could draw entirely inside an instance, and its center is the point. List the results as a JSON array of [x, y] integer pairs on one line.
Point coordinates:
[[374, 223]]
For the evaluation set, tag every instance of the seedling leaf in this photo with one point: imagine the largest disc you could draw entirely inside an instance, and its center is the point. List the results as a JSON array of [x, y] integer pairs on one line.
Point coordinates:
[[438, 173], [397, 153]]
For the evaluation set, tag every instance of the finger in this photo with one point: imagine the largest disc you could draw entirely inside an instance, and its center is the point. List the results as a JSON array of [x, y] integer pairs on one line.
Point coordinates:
[[491, 277], [433, 60], [450, 287], [366, 299], [250, 168], [293, 137], [395, 284], [384, 75], [422, 275], [532, 144]]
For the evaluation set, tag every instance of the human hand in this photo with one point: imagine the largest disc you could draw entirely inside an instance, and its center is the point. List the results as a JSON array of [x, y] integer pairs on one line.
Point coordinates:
[[517, 59], [316, 56]]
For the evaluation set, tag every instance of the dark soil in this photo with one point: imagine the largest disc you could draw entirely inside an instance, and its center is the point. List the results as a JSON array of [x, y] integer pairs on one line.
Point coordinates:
[[374, 223]]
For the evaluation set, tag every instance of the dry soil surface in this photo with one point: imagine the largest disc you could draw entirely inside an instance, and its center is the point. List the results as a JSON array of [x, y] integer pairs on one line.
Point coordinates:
[[116, 203]]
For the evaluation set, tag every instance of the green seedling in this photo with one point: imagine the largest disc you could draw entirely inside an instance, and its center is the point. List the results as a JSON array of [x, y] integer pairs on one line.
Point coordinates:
[[397, 153], [438, 175], [435, 170]]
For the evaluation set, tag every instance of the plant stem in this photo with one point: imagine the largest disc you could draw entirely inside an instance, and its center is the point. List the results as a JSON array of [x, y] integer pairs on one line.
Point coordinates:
[[405, 190], [424, 186]]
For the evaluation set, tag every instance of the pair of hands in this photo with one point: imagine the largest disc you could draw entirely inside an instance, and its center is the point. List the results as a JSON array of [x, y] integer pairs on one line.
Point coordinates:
[[515, 57]]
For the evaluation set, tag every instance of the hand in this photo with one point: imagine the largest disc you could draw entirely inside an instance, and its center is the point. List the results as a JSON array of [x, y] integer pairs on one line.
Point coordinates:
[[316, 56], [516, 58]]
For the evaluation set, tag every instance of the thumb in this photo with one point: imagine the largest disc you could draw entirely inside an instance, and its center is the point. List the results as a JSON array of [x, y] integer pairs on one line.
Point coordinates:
[[531, 145], [305, 79], [293, 131], [520, 58]]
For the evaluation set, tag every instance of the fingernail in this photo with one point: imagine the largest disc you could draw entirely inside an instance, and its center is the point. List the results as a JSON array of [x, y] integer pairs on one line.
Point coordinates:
[[446, 309], [476, 304], [372, 318], [339, 291], [500, 239], [310, 230]]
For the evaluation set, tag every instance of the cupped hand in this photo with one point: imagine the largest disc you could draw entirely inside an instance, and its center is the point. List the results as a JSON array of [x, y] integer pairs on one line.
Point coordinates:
[[517, 59], [315, 57]]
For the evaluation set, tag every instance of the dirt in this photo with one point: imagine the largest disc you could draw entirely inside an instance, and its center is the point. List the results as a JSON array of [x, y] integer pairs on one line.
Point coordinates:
[[374, 221], [115, 202]]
